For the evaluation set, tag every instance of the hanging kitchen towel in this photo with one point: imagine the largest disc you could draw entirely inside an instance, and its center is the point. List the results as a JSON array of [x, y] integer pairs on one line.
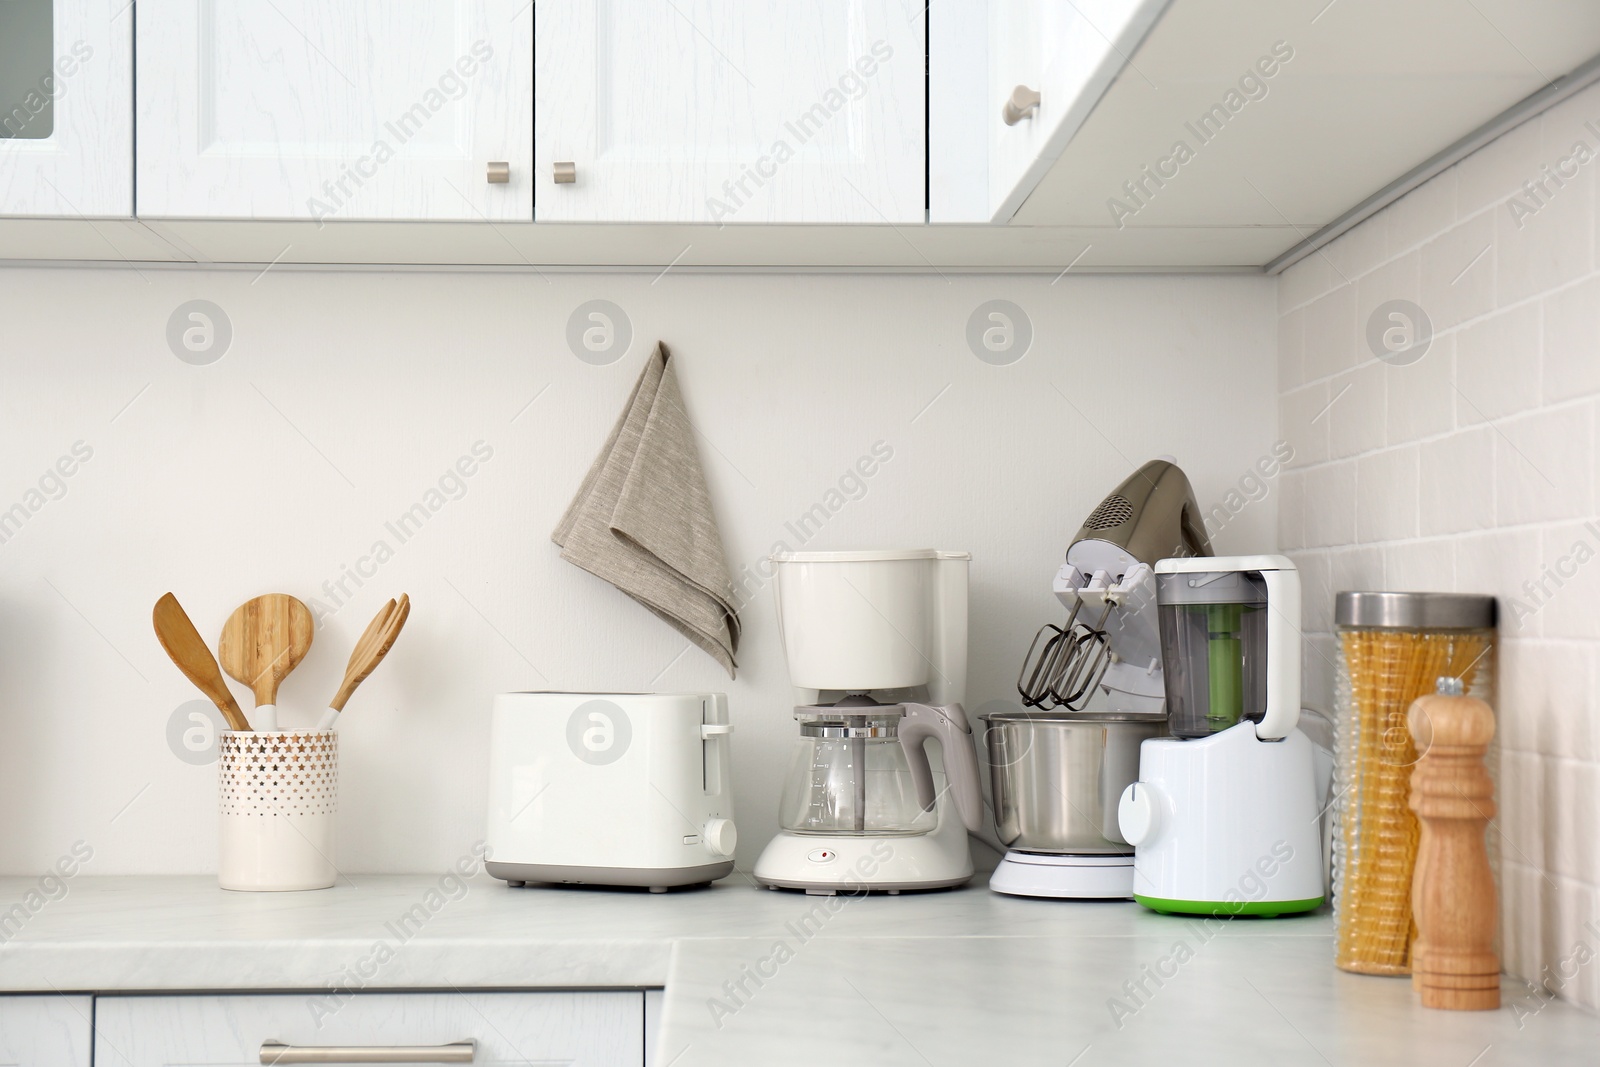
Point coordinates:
[[642, 517]]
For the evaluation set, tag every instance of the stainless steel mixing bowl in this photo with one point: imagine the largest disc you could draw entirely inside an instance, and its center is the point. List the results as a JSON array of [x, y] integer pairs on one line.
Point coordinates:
[[1057, 777]]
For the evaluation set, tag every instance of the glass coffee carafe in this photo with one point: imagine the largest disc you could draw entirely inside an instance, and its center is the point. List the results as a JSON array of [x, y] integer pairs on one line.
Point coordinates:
[[850, 775]]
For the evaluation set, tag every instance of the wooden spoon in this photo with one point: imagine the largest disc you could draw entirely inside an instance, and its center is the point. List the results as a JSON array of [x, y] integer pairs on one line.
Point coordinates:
[[262, 641], [374, 644], [188, 650]]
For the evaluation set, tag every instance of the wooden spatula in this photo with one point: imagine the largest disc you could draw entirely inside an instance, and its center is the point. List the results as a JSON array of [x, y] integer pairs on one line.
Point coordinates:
[[188, 650], [262, 641], [374, 644]]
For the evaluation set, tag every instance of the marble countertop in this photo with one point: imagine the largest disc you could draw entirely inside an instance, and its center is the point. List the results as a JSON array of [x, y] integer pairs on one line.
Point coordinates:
[[779, 978]]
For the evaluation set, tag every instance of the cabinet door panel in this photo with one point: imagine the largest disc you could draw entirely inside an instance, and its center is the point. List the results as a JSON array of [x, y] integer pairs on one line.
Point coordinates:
[[1070, 53], [45, 1031], [594, 1029], [366, 109], [66, 108], [727, 111]]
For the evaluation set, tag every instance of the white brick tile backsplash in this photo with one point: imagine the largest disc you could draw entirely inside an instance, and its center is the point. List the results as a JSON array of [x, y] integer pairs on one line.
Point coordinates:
[[1356, 410], [1420, 566], [1420, 398], [1304, 282], [1303, 423], [1544, 465], [1565, 589], [1475, 470], [1572, 342], [1497, 365], [1496, 563], [1330, 333], [1330, 504], [1574, 846], [1386, 495], [1456, 482], [1291, 350], [1548, 245], [1547, 698], [1457, 281]]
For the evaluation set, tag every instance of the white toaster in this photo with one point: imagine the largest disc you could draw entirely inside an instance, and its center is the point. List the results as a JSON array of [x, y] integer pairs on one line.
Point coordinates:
[[610, 789]]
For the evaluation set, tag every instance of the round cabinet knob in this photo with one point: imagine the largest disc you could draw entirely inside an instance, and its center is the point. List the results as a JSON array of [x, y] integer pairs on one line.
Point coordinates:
[[1139, 813], [499, 173], [1024, 102], [720, 836]]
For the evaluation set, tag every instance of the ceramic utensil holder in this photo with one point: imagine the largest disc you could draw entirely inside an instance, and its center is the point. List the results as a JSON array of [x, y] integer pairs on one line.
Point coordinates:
[[278, 791]]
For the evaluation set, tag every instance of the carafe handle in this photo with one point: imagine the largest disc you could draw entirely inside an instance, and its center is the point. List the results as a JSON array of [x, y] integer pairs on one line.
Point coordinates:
[[948, 723]]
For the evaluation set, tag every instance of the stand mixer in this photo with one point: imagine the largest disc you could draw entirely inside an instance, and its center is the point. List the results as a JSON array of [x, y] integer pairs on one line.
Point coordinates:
[[876, 644], [1092, 691]]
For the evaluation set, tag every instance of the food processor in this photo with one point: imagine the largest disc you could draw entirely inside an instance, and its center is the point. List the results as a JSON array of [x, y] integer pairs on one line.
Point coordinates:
[[1224, 818], [876, 644]]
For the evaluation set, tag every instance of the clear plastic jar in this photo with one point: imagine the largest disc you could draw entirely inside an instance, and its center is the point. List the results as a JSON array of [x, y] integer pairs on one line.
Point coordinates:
[[1393, 648]]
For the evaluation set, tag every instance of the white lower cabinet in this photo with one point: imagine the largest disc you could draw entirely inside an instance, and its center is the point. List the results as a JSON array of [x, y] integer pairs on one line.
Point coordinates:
[[45, 1030], [587, 1029]]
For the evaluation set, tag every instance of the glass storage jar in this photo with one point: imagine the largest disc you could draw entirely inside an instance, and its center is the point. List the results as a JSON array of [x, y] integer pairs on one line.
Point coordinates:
[[1393, 648]]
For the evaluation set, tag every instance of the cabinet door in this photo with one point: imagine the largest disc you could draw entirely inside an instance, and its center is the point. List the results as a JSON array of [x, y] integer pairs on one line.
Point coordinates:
[[363, 109], [66, 108], [593, 1029], [1069, 53], [729, 111], [45, 1031]]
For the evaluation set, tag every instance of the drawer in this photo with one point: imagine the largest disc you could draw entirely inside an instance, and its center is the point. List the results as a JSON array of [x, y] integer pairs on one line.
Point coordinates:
[[45, 1031], [583, 1029]]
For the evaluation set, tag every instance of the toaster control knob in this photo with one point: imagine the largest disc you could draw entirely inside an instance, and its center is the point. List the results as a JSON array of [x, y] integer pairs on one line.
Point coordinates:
[[720, 836], [1139, 813]]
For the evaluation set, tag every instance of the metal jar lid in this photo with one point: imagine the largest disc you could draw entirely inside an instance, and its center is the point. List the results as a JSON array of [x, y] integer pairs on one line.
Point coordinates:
[[1415, 611]]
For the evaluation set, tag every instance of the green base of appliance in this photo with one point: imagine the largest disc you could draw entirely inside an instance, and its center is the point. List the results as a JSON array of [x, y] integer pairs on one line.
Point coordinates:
[[1265, 909]]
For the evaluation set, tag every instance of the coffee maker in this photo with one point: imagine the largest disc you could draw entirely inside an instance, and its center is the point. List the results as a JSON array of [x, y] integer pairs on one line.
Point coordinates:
[[1224, 816], [876, 646]]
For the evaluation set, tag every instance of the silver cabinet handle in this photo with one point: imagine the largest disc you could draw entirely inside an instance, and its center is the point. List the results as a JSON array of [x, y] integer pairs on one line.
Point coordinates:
[[276, 1052], [564, 173], [499, 173], [1024, 102]]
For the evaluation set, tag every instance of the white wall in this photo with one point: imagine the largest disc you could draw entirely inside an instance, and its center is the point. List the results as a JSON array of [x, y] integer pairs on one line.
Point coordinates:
[[345, 396], [1473, 469]]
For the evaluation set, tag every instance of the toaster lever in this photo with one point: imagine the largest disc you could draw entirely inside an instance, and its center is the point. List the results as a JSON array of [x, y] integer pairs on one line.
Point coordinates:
[[708, 730]]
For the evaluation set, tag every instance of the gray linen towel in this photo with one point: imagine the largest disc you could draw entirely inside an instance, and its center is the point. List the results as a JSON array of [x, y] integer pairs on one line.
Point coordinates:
[[642, 517]]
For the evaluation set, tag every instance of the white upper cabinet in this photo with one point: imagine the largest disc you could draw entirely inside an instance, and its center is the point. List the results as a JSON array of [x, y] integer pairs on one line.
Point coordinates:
[[729, 111], [66, 108], [1049, 64], [362, 109]]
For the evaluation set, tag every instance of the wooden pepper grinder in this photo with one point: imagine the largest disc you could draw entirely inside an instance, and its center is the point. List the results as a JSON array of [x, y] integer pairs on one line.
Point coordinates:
[[1453, 962]]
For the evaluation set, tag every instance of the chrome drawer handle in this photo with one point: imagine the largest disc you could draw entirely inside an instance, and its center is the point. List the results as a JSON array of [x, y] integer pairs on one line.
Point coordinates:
[[276, 1052]]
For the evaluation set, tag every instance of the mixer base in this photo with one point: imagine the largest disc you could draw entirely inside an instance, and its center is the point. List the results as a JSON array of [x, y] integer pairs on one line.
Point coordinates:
[[1064, 877]]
